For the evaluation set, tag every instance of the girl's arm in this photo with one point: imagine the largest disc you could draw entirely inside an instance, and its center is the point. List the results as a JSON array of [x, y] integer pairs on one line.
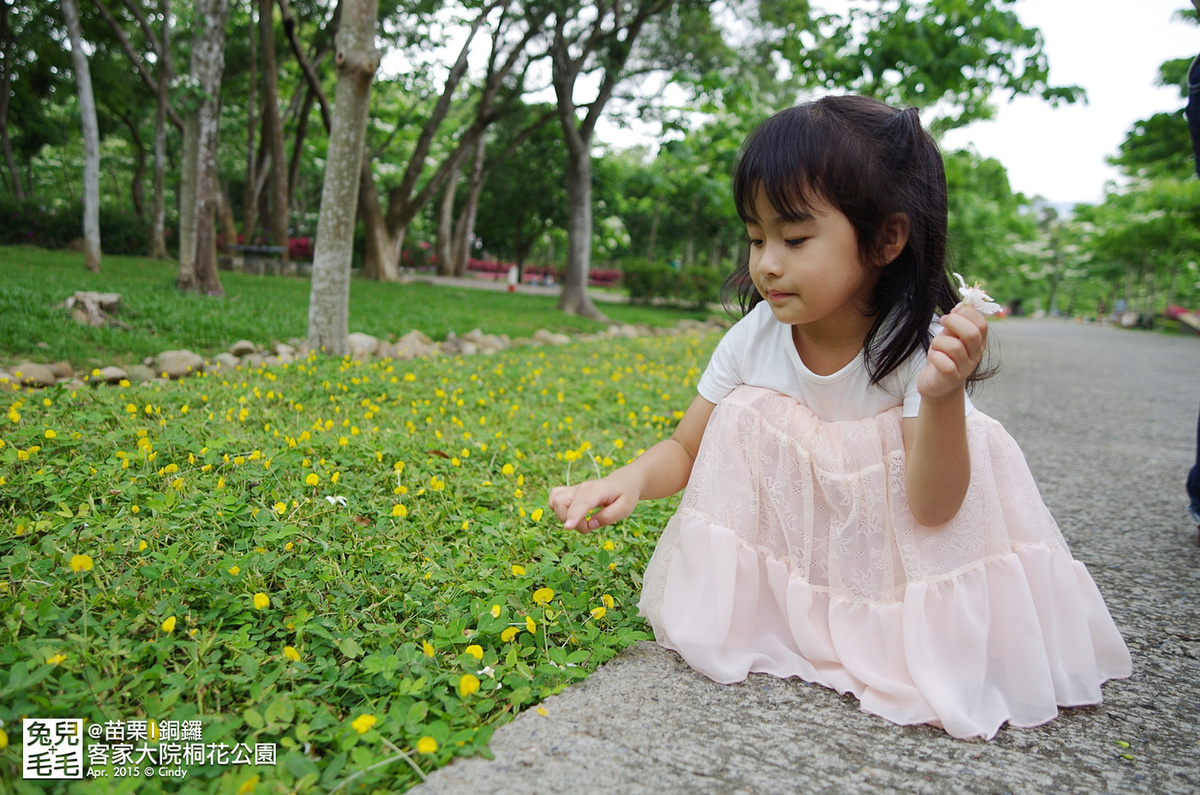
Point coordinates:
[[938, 468], [659, 472]]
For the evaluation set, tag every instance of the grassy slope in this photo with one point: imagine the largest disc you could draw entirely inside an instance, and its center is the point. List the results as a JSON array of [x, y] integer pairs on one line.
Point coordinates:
[[34, 283]]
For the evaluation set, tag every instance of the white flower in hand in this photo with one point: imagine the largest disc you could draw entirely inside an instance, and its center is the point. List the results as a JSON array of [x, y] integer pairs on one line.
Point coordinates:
[[976, 298]]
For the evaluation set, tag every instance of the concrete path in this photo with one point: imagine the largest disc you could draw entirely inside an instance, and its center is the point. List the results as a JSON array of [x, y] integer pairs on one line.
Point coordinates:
[[1107, 420]]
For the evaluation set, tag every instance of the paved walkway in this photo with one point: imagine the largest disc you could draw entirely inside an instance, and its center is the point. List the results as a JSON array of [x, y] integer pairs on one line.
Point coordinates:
[[1106, 419]]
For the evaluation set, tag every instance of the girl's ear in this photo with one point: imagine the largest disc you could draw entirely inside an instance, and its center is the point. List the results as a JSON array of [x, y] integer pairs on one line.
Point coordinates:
[[893, 237]]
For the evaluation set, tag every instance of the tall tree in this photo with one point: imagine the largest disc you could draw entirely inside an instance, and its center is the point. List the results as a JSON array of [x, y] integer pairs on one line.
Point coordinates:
[[589, 38], [356, 60], [91, 138], [273, 127], [197, 233]]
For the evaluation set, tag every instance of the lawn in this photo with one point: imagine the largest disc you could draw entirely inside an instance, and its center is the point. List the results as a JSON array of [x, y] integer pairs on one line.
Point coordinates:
[[35, 282], [349, 562]]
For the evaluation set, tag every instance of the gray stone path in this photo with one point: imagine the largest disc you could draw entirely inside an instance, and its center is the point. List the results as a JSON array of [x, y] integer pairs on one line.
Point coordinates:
[[1107, 420]]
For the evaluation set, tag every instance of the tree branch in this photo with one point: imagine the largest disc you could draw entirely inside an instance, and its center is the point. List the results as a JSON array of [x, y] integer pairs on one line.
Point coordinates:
[[138, 63], [310, 73]]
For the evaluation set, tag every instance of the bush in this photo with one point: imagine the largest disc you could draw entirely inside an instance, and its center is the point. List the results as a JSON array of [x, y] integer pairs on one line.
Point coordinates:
[[27, 223], [661, 284]]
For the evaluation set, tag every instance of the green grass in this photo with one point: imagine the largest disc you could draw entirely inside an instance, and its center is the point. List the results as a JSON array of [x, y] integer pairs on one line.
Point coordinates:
[[36, 282], [191, 498]]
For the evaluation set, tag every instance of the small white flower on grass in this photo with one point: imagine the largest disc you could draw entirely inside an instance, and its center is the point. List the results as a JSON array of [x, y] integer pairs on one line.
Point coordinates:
[[335, 500], [975, 297]]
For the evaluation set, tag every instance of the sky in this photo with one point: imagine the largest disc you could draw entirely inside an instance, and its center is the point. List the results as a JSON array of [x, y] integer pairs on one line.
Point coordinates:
[[1112, 48]]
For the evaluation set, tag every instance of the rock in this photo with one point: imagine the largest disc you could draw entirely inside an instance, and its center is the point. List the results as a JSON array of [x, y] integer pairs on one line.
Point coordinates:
[[283, 349], [468, 348], [177, 364], [140, 373], [271, 361], [31, 374], [61, 369], [74, 384], [225, 360], [414, 344], [254, 361], [9, 382], [362, 345], [544, 337], [243, 348], [111, 375]]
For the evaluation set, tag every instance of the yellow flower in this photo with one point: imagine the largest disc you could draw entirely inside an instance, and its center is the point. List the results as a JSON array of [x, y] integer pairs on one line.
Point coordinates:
[[261, 601], [518, 571], [608, 601], [608, 546], [56, 659], [169, 624], [81, 563], [537, 515], [142, 545], [509, 633], [248, 785], [495, 611], [507, 469], [312, 479], [280, 507], [599, 612], [542, 596], [235, 570], [291, 653], [427, 745], [3, 740], [50, 434], [530, 624], [542, 711], [475, 650], [363, 723], [427, 647], [399, 510], [468, 684]]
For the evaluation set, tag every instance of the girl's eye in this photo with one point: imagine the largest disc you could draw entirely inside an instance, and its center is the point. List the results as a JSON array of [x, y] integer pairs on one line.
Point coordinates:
[[795, 241], [754, 242]]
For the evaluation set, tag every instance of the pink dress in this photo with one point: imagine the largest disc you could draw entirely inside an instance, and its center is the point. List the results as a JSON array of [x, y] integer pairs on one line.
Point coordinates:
[[794, 553]]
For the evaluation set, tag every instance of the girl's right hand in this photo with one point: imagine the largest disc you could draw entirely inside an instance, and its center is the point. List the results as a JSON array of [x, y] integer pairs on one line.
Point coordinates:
[[615, 495]]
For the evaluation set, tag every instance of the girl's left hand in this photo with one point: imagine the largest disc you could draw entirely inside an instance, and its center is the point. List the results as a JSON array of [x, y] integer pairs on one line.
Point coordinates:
[[954, 353]]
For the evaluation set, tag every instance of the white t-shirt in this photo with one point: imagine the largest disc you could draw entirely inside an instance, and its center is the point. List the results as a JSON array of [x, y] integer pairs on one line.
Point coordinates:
[[759, 351]]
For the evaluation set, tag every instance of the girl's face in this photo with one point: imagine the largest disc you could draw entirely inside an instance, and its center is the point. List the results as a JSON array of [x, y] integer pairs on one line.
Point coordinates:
[[808, 268]]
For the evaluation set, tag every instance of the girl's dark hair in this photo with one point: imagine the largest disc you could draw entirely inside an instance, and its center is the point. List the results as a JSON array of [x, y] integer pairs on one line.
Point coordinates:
[[872, 162]]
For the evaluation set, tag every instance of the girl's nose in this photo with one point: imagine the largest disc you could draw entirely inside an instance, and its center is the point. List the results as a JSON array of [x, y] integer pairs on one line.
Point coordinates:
[[769, 262]]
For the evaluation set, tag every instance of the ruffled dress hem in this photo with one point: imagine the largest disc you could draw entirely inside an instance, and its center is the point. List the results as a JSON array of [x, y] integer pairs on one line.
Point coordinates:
[[794, 554]]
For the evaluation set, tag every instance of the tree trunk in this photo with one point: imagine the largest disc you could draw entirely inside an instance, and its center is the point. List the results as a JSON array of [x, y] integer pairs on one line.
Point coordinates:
[[383, 246], [250, 189], [228, 234], [197, 235], [357, 59], [136, 189], [7, 43], [158, 246], [445, 231], [273, 127], [574, 298], [91, 138], [464, 230], [298, 145]]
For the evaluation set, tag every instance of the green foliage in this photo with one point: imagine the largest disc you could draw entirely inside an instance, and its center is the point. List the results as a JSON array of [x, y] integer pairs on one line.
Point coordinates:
[[663, 284], [280, 553], [29, 223]]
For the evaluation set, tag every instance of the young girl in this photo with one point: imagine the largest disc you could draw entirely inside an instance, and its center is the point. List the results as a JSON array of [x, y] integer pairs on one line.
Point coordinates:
[[849, 518]]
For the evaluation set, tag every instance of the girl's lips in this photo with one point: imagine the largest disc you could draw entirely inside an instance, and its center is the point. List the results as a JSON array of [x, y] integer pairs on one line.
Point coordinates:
[[777, 295]]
